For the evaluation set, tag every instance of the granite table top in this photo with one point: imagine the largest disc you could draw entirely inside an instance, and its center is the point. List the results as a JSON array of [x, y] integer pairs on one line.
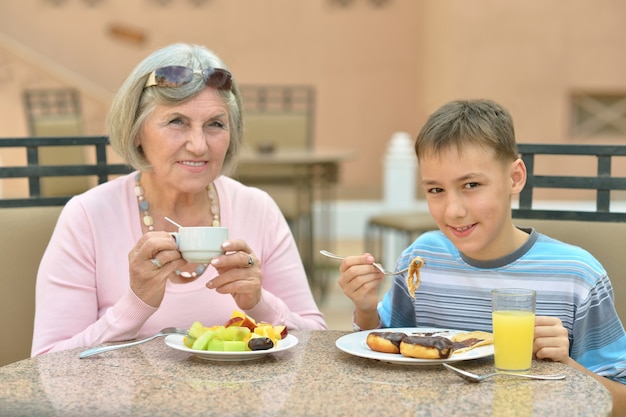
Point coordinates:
[[313, 378]]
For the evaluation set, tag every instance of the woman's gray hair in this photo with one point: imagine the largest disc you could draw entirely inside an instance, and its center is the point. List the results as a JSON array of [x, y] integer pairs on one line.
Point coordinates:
[[133, 104]]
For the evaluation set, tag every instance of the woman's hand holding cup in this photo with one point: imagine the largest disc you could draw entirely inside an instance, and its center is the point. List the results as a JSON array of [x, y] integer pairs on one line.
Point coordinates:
[[152, 262]]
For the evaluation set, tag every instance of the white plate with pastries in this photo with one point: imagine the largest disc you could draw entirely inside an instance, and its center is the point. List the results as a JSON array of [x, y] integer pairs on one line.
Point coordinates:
[[355, 344]]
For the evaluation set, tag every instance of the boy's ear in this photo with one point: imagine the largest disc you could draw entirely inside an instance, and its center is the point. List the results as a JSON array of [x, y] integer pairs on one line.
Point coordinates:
[[518, 176]]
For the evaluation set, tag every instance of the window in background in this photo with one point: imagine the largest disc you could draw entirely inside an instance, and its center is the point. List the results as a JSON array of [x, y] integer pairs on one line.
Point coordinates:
[[595, 115]]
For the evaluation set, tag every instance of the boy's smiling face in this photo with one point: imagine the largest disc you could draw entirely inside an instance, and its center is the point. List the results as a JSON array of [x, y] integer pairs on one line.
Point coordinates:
[[469, 196]]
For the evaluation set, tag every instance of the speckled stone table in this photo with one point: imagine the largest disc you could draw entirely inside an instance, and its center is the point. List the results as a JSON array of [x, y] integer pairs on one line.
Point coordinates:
[[313, 378]]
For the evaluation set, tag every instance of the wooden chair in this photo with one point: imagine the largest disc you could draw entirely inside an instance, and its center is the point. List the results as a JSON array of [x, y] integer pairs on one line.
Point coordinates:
[[35, 171], [25, 235], [54, 112], [280, 119], [604, 184], [27, 223]]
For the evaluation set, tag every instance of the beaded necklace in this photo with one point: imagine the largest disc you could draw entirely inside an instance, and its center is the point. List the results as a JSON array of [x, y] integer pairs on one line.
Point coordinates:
[[148, 221]]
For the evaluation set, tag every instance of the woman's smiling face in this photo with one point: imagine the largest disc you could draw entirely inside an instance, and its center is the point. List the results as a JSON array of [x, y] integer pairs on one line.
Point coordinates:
[[469, 196], [186, 144]]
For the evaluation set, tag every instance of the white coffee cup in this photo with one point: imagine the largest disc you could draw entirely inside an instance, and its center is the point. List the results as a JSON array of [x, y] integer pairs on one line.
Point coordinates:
[[200, 244]]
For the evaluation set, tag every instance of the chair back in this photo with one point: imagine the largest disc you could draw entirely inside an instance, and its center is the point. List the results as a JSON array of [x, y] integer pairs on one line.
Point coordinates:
[[604, 240], [27, 222], [278, 117], [54, 112], [25, 235], [604, 184], [93, 168]]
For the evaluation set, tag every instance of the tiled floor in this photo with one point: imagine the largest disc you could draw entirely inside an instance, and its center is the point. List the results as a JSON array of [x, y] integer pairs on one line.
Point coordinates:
[[337, 308]]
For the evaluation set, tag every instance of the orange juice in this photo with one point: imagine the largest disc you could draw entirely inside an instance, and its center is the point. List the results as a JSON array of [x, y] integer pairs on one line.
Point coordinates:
[[513, 334]]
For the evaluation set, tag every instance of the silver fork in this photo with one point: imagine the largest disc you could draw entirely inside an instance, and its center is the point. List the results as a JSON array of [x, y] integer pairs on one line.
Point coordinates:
[[377, 265], [472, 377], [102, 349]]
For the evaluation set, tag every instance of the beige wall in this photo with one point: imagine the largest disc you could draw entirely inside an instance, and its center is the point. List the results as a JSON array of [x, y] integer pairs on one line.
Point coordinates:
[[23, 72], [377, 70], [529, 55]]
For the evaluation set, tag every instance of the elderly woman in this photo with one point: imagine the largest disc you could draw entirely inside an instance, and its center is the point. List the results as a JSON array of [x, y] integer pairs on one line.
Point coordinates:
[[112, 271]]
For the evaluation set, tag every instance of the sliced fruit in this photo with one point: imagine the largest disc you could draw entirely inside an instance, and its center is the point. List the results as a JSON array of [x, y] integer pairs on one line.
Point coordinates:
[[234, 321], [196, 330], [234, 346], [216, 345], [202, 342], [188, 341], [280, 332], [239, 328], [248, 321], [233, 333], [267, 331]]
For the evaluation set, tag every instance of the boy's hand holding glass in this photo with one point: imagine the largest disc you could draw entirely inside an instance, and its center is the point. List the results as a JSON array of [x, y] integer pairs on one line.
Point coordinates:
[[513, 313]]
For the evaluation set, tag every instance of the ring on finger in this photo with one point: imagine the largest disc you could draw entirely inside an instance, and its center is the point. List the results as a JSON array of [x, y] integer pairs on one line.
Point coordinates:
[[250, 261], [156, 263]]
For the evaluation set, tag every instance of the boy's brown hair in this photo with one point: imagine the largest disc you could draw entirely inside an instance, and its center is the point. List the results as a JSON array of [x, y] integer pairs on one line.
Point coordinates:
[[462, 122]]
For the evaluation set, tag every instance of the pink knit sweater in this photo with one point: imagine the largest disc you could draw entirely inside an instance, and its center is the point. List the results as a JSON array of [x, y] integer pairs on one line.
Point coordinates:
[[83, 293]]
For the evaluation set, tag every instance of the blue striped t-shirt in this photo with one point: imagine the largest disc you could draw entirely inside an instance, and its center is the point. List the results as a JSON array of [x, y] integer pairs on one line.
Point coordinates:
[[455, 293]]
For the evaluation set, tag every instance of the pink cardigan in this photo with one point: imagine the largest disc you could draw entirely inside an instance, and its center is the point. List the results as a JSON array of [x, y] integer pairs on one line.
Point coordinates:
[[83, 297]]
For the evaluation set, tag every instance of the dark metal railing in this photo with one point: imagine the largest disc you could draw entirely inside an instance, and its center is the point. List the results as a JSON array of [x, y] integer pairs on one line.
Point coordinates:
[[602, 183], [35, 172]]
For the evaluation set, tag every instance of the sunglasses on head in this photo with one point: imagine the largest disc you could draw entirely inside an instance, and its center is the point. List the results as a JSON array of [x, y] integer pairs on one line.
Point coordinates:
[[176, 76]]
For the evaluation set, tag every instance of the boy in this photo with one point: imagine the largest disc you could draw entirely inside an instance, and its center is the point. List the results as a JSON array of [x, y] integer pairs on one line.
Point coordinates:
[[470, 169]]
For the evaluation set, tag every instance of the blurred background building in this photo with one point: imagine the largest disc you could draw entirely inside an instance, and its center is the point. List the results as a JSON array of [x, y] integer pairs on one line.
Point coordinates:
[[365, 74], [377, 67]]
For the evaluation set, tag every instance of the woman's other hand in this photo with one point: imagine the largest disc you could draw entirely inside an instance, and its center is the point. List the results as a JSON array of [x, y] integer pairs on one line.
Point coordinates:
[[239, 274]]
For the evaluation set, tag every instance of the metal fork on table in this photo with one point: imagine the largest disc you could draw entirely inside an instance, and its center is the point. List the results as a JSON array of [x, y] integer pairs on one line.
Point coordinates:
[[102, 349]]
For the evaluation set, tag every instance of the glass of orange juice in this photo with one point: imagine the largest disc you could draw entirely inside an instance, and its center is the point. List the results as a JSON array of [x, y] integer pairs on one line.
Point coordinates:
[[513, 314]]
